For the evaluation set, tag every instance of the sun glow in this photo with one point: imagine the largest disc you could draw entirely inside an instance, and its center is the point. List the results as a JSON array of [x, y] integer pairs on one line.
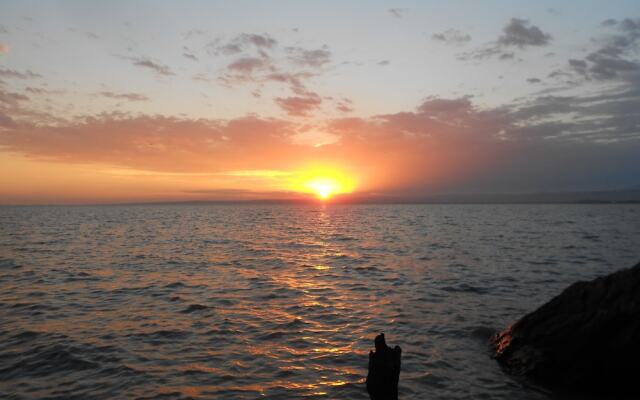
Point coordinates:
[[325, 183], [324, 187]]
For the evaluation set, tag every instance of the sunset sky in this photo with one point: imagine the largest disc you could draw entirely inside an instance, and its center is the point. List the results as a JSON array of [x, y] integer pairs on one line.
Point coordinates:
[[118, 101]]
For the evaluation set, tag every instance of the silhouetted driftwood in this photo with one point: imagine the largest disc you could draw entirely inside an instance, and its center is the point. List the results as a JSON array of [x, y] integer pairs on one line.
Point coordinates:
[[384, 371], [586, 340]]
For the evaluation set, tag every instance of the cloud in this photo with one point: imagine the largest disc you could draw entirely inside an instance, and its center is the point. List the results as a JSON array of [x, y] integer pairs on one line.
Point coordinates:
[[11, 99], [243, 42], [533, 80], [520, 33], [152, 65], [4, 48], [396, 12], [294, 80], [452, 36], [309, 58], [124, 96], [190, 56], [6, 122], [616, 54], [41, 91], [383, 63], [443, 144], [299, 106], [262, 67], [345, 105], [201, 77], [3, 30], [157, 143], [245, 70], [247, 65], [11, 73], [188, 53]]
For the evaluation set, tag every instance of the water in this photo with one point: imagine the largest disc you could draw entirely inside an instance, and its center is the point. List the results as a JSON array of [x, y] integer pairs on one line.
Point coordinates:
[[283, 302]]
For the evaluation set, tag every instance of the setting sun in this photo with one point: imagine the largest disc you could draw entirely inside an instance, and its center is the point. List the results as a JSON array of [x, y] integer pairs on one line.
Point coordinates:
[[324, 182], [324, 187]]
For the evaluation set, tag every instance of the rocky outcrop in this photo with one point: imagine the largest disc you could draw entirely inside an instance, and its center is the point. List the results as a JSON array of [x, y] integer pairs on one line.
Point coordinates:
[[384, 370], [586, 340]]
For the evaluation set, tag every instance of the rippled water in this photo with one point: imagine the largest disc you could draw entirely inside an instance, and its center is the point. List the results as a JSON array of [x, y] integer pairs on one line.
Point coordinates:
[[283, 302]]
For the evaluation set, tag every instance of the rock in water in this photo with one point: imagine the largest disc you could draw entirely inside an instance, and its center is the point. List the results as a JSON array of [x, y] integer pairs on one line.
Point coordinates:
[[586, 340], [384, 371]]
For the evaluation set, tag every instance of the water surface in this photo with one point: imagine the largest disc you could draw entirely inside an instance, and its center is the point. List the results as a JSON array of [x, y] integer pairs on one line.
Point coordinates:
[[280, 301]]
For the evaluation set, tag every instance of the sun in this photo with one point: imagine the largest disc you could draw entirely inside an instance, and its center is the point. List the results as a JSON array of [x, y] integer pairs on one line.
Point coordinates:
[[324, 182], [324, 187]]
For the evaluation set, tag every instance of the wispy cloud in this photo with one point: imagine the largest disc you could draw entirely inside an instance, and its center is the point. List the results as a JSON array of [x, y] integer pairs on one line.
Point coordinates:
[[124, 96], [451, 36], [396, 12], [12, 73], [152, 65], [315, 58], [242, 42]]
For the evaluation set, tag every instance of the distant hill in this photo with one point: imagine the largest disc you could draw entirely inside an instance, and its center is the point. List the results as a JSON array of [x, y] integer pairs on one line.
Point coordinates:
[[631, 195]]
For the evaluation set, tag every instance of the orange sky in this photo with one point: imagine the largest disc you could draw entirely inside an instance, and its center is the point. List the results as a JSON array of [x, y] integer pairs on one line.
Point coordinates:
[[244, 100]]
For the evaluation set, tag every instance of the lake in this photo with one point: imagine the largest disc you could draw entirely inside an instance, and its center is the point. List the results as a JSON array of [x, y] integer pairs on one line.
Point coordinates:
[[283, 301]]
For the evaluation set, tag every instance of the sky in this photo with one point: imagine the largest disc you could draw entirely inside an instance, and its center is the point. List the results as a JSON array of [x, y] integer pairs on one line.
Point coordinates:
[[127, 101]]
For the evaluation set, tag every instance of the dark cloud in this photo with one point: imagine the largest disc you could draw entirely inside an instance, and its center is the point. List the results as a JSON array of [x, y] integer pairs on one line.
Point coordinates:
[[383, 63], [520, 33], [533, 80], [452, 36], [124, 96], [152, 65], [616, 55], [517, 34]]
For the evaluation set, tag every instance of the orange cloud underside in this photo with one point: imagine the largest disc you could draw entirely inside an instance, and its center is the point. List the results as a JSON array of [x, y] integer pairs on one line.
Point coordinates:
[[111, 158]]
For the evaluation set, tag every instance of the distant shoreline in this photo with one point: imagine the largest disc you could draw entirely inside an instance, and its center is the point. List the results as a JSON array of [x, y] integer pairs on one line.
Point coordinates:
[[315, 203]]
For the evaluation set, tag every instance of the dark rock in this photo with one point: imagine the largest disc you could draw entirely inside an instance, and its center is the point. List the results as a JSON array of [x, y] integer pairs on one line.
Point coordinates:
[[384, 371], [586, 340]]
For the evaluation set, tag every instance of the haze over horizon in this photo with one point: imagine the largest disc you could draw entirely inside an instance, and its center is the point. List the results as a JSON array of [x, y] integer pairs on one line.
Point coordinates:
[[167, 101]]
